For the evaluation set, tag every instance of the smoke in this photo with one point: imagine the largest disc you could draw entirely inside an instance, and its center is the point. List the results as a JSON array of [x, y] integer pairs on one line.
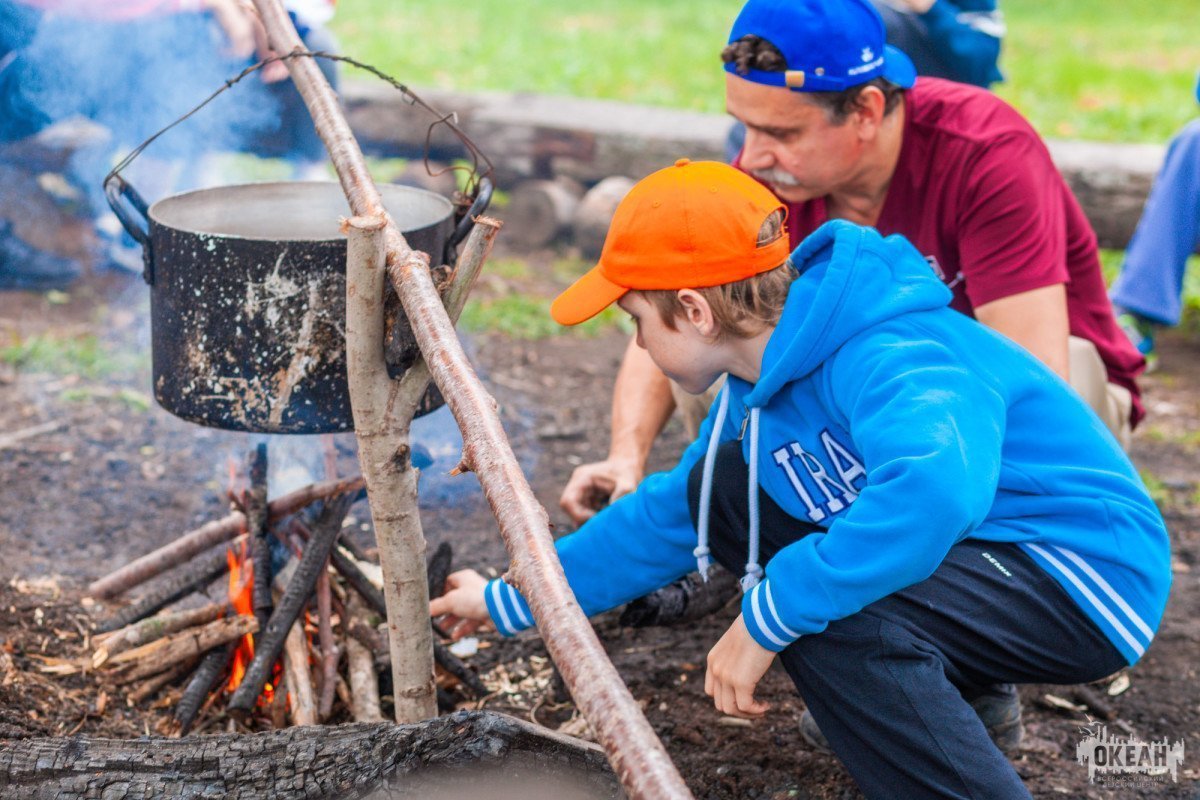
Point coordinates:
[[133, 78]]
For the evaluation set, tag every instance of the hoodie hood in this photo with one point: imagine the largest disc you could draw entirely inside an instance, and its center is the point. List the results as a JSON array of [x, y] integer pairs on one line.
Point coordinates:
[[851, 279]]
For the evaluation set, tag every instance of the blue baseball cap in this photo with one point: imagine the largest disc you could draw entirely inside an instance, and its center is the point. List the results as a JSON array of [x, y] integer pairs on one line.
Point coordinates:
[[829, 45]]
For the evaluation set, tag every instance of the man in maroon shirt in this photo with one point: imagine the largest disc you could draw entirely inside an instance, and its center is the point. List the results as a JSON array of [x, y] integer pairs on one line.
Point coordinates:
[[838, 128]]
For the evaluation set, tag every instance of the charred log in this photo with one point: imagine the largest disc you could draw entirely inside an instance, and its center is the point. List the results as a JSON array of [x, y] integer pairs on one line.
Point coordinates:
[[210, 672], [300, 763], [260, 543], [185, 581], [686, 600], [440, 564]]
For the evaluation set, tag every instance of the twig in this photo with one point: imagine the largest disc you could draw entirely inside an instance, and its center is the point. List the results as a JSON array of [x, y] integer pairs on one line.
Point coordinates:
[[329, 649], [16, 437]]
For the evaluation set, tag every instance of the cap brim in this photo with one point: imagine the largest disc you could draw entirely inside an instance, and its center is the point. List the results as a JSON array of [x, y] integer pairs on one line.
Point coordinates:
[[898, 67], [585, 298]]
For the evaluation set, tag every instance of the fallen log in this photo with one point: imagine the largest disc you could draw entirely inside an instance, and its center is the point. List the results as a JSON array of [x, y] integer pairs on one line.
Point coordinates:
[[197, 541], [311, 763], [299, 589], [187, 580]]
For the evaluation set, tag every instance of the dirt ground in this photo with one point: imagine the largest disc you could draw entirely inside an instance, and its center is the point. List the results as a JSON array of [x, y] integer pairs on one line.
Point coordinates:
[[120, 477]]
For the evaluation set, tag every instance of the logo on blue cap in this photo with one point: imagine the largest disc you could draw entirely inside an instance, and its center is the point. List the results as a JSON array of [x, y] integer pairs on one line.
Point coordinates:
[[829, 45]]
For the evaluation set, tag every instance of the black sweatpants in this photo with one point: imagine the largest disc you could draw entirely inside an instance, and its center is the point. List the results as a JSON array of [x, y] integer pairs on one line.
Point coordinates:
[[889, 686]]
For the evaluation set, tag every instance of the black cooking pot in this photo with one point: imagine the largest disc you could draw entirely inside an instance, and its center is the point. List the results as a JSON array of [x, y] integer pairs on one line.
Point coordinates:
[[248, 296]]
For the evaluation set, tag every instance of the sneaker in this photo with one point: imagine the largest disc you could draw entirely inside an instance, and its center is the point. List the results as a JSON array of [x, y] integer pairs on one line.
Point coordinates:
[[1141, 335], [23, 266], [998, 710]]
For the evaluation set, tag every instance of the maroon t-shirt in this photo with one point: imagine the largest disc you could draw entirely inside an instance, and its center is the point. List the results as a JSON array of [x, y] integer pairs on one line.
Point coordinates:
[[975, 190]]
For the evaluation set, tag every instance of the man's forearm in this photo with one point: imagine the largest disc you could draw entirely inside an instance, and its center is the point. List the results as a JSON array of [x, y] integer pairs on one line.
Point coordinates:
[[642, 404], [1038, 321]]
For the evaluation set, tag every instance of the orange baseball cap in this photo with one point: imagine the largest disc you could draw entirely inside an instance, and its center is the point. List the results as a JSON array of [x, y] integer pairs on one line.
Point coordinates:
[[689, 226]]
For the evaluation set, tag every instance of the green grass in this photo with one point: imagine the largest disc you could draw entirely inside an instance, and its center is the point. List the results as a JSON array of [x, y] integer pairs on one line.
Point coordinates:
[[1096, 69], [525, 316], [86, 356]]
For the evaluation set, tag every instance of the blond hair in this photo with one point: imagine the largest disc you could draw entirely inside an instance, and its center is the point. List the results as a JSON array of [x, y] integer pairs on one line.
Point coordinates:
[[742, 308]]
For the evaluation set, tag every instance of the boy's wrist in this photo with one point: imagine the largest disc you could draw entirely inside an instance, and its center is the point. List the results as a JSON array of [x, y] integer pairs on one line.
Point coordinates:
[[761, 617], [508, 610]]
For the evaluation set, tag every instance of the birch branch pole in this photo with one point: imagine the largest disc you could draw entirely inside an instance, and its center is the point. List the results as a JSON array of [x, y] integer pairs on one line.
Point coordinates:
[[638, 758]]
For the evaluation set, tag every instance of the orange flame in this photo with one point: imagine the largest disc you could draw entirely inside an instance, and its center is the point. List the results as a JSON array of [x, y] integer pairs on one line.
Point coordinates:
[[241, 598]]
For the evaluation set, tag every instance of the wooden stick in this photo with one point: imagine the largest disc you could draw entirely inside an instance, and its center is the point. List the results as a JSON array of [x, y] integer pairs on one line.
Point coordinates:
[[212, 533], [14, 438], [206, 677], [299, 589], [634, 750], [440, 564], [185, 581], [330, 654], [260, 543], [376, 602], [108, 645], [279, 703], [155, 657], [364, 681], [637, 755], [150, 686], [299, 679]]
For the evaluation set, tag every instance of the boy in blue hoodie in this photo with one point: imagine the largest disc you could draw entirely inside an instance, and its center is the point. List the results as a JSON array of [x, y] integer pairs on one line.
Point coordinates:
[[921, 510]]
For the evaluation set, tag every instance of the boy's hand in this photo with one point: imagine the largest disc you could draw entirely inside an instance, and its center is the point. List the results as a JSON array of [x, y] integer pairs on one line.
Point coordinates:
[[735, 666], [462, 608]]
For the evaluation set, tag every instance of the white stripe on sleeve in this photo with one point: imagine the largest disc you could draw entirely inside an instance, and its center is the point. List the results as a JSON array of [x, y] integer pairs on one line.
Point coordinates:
[[499, 603], [760, 621]]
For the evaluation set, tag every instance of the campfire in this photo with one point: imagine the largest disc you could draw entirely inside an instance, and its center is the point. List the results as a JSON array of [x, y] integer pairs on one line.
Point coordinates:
[[295, 636]]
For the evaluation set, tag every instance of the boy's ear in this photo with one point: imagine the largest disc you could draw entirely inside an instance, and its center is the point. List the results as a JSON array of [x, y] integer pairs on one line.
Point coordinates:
[[697, 312]]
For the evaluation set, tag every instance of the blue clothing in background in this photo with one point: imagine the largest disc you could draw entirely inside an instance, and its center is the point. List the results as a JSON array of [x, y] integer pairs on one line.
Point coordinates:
[[955, 39], [901, 428], [1151, 281]]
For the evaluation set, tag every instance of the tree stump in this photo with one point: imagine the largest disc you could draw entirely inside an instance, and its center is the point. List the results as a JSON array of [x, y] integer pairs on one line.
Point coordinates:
[[595, 213], [541, 211], [348, 761]]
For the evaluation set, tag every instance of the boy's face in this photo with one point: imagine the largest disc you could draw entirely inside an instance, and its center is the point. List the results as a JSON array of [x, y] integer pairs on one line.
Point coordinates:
[[687, 354]]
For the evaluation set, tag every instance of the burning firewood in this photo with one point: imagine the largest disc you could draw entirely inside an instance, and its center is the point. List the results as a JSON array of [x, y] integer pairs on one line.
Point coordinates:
[[330, 653], [214, 533], [299, 590], [193, 578], [299, 679], [256, 527], [159, 655], [151, 628], [364, 681]]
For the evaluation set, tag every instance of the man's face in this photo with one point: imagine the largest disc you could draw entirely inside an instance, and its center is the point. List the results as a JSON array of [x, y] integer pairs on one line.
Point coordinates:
[[790, 143]]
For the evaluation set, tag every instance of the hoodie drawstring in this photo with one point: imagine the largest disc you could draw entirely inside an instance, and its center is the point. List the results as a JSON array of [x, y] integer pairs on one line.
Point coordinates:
[[702, 554], [754, 571]]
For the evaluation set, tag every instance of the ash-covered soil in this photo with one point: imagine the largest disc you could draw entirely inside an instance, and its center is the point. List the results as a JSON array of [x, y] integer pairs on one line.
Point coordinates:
[[118, 477]]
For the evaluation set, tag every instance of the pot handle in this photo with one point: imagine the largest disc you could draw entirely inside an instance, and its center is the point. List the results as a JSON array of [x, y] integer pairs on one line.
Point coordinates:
[[483, 197], [116, 188]]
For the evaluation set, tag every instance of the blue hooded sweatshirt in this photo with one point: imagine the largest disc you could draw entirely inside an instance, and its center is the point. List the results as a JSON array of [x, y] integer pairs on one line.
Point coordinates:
[[900, 427]]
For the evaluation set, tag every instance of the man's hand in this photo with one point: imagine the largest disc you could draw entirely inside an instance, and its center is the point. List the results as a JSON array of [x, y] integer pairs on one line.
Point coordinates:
[[237, 24], [593, 485], [462, 608], [735, 666]]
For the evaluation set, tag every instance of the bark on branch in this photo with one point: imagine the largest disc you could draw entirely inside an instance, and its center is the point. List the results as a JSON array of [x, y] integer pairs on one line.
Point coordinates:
[[638, 757]]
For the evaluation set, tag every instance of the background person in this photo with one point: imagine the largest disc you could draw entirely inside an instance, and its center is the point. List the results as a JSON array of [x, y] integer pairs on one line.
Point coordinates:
[[1147, 292], [840, 128]]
